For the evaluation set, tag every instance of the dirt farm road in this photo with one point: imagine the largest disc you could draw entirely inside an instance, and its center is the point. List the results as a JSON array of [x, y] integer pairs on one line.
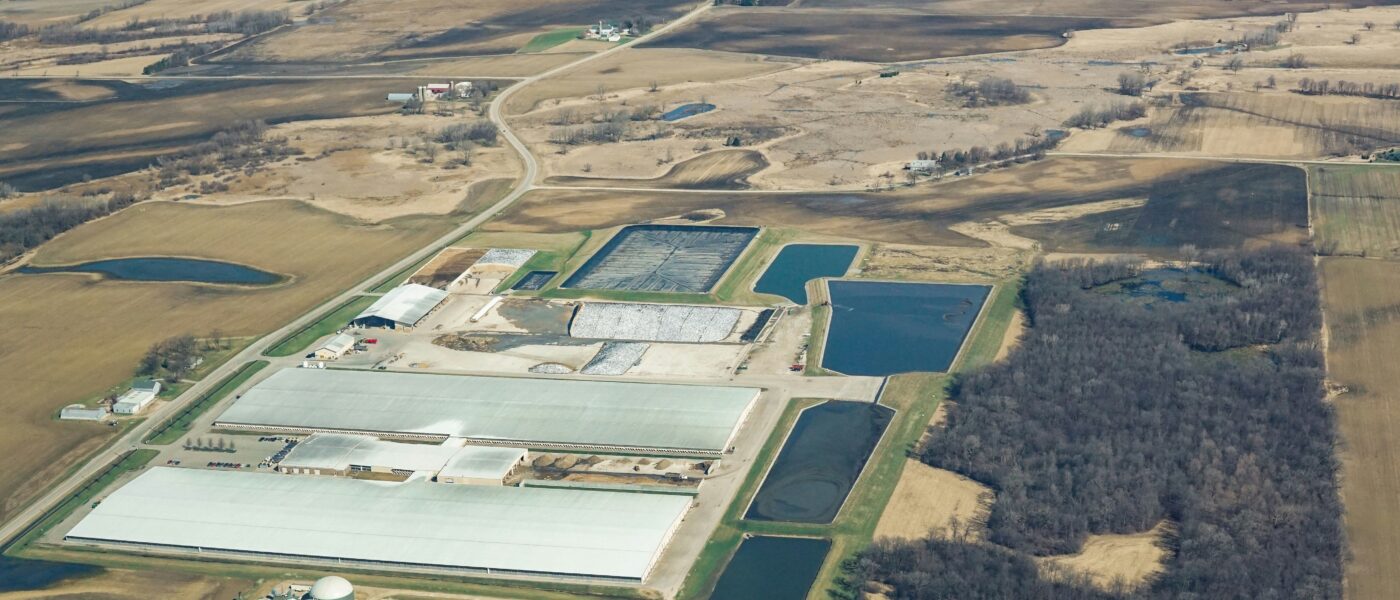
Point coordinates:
[[132, 439]]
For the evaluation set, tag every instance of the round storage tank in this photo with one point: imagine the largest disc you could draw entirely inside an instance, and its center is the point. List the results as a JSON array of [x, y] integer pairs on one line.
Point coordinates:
[[332, 588]]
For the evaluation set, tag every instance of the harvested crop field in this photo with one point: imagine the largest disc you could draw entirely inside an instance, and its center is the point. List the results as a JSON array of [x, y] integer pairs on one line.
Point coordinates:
[[83, 334], [934, 500], [1240, 205], [1361, 303], [923, 215], [722, 170], [398, 29], [879, 37], [1153, 10], [121, 584], [159, 117], [1265, 125], [1356, 210], [446, 266]]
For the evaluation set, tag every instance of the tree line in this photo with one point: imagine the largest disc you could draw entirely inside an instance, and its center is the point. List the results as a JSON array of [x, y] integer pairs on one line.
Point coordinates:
[[989, 91], [1031, 147], [1112, 416], [1092, 117], [173, 358], [27, 228], [1322, 87]]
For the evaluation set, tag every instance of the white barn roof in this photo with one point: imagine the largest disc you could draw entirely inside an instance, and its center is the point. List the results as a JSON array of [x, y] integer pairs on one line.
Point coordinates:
[[337, 451], [406, 304], [541, 530], [482, 462], [340, 344], [502, 410]]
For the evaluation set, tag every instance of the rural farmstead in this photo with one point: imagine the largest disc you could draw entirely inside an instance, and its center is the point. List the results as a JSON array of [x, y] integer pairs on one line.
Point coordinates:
[[537, 413], [582, 533]]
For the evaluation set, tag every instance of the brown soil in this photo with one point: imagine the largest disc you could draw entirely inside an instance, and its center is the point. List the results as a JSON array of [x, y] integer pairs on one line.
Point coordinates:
[[1360, 299]]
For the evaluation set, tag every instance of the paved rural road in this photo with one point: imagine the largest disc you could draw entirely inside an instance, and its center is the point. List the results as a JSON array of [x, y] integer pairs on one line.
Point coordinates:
[[132, 439]]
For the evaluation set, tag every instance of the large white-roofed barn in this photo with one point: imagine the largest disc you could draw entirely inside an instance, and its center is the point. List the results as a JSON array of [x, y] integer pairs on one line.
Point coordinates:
[[403, 306], [598, 416], [488, 529]]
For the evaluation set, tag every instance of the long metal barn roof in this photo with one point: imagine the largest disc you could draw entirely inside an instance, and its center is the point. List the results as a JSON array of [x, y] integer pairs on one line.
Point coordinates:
[[585, 533], [520, 411]]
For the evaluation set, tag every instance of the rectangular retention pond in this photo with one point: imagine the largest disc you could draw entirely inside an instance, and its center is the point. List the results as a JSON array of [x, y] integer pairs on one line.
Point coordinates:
[[820, 462], [796, 264], [772, 568], [883, 328]]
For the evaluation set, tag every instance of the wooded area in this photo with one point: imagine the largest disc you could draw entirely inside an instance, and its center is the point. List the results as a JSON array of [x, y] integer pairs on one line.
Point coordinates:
[[1112, 416]]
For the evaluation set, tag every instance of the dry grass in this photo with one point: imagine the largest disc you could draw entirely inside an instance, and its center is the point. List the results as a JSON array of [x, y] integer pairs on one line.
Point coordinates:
[[47, 12], [723, 169], [929, 500], [920, 215], [138, 585], [1012, 337], [1362, 308], [637, 69], [1260, 125], [1356, 210], [82, 335], [935, 263], [1113, 560], [179, 9]]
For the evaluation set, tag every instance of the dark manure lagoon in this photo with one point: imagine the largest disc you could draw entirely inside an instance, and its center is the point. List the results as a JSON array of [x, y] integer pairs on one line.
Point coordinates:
[[884, 328], [21, 574], [772, 568], [820, 462], [165, 268], [796, 264]]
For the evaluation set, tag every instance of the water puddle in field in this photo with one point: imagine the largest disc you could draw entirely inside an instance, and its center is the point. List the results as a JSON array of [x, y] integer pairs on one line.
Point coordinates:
[[163, 268]]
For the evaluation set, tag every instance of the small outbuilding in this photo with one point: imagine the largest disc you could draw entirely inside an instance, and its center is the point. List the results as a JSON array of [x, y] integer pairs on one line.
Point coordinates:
[[403, 306], [78, 412], [136, 399], [336, 347], [921, 166]]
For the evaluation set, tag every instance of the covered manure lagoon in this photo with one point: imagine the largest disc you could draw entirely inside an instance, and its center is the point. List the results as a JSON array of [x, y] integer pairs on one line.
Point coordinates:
[[796, 264], [167, 268], [820, 462], [884, 328]]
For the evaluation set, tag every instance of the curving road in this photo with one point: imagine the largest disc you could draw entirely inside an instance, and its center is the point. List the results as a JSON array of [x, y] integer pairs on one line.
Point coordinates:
[[131, 440]]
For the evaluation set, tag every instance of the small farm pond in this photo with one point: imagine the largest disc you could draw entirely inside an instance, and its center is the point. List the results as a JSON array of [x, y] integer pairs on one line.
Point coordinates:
[[688, 110], [1170, 286], [884, 328], [19, 574], [772, 568], [164, 268], [820, 462], [796, 264]]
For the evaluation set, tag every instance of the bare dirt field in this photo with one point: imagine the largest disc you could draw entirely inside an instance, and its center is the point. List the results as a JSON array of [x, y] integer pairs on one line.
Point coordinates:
[[928, 500], [1362, 309], [163, 115], [1356, 210], [880, 37], [385, 29], [138, 585], [83, 334], [1110, 559], [720, 170], [446, 266], [924, 214]]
